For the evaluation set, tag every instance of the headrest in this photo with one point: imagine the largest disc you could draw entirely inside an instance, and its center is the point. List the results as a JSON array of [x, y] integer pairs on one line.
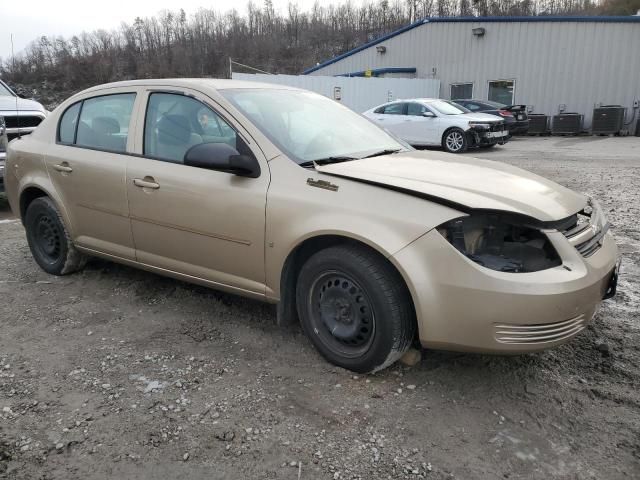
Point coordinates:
[[174, 130], [106, 125]]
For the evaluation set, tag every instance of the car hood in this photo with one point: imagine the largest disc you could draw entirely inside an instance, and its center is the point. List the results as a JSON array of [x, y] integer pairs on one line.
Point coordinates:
[[464, 182], [8, 103]]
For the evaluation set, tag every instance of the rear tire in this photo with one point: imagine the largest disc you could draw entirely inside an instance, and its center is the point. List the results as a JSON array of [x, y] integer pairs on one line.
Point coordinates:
[[49, 240], [455, 141], [355, 308]]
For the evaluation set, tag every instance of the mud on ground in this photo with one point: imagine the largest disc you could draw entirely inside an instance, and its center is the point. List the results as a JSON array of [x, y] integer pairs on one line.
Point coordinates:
[[118, 373]]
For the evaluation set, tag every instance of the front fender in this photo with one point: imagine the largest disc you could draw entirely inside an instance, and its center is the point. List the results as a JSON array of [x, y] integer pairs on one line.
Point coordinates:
[[297, 211]]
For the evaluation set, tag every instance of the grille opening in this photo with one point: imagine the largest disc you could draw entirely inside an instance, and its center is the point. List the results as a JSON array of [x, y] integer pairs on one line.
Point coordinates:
[[22, 121]]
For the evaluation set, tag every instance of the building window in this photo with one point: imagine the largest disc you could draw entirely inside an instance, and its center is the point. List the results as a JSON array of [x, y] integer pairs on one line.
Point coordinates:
[[460, 91], [502, 91]]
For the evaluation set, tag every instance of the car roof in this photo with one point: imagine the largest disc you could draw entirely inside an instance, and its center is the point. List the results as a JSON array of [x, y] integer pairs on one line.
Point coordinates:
[[419, 100], [483, 102], [209, 83]]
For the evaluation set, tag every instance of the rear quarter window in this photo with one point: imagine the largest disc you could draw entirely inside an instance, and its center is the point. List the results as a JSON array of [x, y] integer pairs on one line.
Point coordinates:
[[68, 122]]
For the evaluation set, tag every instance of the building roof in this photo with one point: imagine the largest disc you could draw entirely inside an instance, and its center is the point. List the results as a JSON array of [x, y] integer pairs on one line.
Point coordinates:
[[545, 18]]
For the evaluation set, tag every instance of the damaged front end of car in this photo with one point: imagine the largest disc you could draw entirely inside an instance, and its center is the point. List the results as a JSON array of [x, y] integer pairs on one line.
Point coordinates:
[[506, 242], [501, 242]]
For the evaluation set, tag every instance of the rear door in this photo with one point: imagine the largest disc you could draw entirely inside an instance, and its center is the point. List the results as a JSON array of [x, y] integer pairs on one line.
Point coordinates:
[[197, 222], [87, 166], [391, 117]]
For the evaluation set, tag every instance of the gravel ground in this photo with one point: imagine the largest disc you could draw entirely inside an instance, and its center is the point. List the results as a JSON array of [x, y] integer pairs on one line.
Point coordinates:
[[118, 373]]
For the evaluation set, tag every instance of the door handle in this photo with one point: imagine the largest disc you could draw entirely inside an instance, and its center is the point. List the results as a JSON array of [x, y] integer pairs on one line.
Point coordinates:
[[147, 182], [63, 167]]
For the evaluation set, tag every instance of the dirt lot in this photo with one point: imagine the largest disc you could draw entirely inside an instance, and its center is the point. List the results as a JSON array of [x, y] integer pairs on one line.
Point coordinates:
[[118, 373]]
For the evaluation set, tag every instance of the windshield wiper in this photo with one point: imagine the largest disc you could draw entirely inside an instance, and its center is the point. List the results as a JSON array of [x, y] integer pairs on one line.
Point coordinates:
[[388, 151], [328, 160]]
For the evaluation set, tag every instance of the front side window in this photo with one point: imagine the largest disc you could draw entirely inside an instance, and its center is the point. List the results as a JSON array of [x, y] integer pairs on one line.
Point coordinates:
[[416, 109], [461, 91], [5, 91], [307, 126], [174, 123], [68, 122], [501, 91], [104, 122]]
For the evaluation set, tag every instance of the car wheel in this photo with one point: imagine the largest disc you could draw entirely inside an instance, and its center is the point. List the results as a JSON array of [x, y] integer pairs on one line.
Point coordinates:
[[455, 141], [355, 308], [49, 240]]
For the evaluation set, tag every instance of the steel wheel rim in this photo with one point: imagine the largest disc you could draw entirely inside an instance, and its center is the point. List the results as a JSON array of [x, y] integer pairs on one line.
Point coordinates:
[[454, 141], [47, 239], [341, 314]]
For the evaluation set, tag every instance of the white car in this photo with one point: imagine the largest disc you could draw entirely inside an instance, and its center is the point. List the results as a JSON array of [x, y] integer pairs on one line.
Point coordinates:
[[21, 117], [435, 122]]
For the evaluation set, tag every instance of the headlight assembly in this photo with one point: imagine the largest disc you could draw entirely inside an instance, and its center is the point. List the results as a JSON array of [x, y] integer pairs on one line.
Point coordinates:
[[496, 243], [479, 126]]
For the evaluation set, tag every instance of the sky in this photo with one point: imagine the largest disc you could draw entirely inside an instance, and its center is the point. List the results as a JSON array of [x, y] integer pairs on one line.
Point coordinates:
[[29, 20]]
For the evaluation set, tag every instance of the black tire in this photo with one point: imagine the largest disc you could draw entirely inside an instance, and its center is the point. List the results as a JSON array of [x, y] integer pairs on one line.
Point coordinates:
[[49, 240], [455, 140], [367, 320]]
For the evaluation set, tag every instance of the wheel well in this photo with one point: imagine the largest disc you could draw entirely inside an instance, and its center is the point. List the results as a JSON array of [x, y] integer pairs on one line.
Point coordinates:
[[448, 130], [28, 196], [287, 311]]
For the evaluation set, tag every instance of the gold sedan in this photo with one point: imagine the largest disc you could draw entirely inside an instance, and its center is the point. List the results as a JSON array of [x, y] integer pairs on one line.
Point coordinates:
[[286, 196]]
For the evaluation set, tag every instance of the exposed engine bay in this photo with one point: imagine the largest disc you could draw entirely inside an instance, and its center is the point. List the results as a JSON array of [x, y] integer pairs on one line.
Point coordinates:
[[493, 241]]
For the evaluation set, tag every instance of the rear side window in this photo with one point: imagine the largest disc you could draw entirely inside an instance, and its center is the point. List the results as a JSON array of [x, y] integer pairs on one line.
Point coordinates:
[[68, 122], [394, 109], [474, 107], [104, 122], [174, 123]]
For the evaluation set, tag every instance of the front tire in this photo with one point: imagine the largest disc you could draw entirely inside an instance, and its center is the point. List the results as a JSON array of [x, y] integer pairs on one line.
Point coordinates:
[[49, 240], [355, 308], [455, 141]]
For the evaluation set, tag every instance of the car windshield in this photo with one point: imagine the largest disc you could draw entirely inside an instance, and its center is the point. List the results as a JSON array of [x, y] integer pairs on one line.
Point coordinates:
[[309, 127], [448, 108], [4, 91]]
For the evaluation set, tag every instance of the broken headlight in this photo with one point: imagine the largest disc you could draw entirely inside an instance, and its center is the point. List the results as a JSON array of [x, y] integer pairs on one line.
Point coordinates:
[[496, 243]]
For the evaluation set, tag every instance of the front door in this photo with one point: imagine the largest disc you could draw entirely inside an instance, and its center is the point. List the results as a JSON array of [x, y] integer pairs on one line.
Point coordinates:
[[421, 129], [195, 221], [87, 166]]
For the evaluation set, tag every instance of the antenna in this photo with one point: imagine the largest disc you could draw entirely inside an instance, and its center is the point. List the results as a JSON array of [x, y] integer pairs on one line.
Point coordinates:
[[13, 68]]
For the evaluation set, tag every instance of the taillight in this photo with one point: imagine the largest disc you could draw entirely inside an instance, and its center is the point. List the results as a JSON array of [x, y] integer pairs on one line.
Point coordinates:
[[505, 113]]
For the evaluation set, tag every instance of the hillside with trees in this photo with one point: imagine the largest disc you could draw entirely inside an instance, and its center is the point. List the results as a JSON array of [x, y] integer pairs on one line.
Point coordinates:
[[173, 44]]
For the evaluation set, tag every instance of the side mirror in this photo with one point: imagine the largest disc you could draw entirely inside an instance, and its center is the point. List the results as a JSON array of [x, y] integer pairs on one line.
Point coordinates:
[[428, 114], [222, 157]]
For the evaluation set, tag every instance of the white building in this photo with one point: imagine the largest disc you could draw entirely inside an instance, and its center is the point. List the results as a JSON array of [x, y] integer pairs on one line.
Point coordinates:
[[551, 64]]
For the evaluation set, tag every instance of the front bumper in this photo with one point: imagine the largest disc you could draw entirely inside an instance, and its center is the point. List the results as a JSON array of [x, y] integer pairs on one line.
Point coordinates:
[[489, 137], [465, 307]]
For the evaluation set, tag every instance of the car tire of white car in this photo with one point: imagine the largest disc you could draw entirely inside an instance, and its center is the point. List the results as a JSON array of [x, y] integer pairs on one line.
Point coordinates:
[[455, 140]]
